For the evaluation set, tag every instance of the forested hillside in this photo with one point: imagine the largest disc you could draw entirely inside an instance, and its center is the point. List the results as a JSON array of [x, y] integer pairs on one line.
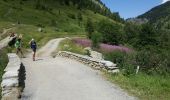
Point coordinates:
[[51, 8]]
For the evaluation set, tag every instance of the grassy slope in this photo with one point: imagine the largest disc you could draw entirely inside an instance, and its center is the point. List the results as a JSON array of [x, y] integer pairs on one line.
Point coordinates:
[[29, 17]]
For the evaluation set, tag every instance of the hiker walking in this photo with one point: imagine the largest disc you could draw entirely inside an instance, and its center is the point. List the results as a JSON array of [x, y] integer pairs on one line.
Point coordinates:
[[33, 46], [18, 46]]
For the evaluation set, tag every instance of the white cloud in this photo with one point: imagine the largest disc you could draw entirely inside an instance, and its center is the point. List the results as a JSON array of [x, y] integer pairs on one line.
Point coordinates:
[[163, 1]]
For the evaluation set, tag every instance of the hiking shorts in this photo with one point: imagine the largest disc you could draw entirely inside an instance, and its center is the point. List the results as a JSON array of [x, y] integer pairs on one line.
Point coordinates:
[[18, 49], [34, 49]]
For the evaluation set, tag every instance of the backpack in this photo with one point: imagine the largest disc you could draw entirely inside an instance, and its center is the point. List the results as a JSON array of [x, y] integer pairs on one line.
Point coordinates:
[[12, 42], [33, 45], [17, 44]]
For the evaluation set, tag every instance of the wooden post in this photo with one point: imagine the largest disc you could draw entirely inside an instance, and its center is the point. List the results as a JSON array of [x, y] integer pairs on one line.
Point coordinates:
[[137, 70]]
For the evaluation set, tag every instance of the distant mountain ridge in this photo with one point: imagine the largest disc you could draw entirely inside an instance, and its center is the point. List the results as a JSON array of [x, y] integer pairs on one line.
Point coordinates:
[[159, 15], [137, 20]]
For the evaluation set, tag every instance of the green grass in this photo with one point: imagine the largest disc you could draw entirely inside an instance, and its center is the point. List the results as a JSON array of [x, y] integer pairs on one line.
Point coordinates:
[[5, 24], [68, 45], [145, 87]]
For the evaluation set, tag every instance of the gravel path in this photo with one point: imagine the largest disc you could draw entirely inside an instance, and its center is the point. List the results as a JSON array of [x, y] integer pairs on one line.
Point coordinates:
[[64, 79]]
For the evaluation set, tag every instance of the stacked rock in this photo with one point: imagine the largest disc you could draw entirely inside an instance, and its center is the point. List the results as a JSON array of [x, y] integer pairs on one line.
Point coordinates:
[[13, 79], [94, 63]]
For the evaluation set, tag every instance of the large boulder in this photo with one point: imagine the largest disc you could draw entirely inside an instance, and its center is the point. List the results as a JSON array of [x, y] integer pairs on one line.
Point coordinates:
[[94, 54], [108, 63]]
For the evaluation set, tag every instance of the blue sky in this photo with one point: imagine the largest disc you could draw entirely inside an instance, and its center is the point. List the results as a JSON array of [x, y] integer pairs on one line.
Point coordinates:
[[131, 8]]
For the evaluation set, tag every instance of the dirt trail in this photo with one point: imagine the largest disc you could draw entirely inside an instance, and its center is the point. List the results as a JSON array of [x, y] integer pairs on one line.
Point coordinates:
[[49, 48], [64, 79]]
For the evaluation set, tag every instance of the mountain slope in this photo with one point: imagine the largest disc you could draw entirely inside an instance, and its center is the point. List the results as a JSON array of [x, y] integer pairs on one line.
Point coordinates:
[[56, 17], [159, 16]]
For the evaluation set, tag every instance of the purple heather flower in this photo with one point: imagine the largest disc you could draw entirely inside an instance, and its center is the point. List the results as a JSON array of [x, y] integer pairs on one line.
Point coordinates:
[[111, 48], [82, 42], [103, 47]]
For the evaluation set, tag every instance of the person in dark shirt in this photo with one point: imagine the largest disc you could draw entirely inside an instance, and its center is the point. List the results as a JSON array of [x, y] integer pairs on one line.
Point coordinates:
[[33, 46]]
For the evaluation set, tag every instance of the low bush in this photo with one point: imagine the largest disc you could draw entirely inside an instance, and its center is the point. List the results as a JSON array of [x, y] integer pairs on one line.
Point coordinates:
[[153, 62], [53, 23], [72, 16], [125, 61], [150, 61]]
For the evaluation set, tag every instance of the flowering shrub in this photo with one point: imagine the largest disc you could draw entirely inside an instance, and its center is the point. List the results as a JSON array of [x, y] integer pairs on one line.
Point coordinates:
[[103, 47], [111, 48], [83, 42]]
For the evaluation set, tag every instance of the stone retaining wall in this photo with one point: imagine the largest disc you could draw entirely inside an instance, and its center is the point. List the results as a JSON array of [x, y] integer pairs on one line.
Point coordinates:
[[94, 63], [13, 80]]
